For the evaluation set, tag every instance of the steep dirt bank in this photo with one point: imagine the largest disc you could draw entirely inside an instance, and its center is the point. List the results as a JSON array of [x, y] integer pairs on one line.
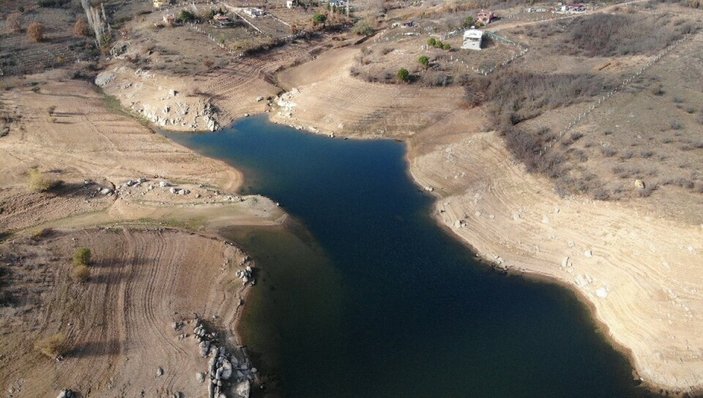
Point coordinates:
[[635, 267]]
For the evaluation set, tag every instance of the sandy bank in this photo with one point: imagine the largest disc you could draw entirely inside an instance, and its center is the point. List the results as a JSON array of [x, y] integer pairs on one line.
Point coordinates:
[[638, 270]]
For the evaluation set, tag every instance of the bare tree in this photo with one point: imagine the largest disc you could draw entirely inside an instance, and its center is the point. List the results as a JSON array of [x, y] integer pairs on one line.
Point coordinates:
[[97, 21]]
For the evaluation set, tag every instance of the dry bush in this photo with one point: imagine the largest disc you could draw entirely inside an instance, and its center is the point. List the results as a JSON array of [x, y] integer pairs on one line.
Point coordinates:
[[13, 23], [35, 31], [613, 35], [512, 97], [80, 273], [38, 182], [516, 96], [81, 28], [52, 346]]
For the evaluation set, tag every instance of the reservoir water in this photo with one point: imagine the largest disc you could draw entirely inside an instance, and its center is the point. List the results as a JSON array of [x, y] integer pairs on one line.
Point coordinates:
[[364, 295]]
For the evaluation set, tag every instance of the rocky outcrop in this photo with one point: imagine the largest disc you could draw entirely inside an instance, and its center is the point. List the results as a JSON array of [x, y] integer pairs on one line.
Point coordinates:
[[226, 368]]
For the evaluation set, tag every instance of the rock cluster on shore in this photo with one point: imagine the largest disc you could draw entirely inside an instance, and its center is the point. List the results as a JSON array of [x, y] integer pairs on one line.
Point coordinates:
[[225, 369]]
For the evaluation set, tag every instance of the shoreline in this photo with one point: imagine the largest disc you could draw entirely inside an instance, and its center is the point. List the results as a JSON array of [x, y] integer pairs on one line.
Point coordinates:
[[602, 326], [651, 290], [168, 202]]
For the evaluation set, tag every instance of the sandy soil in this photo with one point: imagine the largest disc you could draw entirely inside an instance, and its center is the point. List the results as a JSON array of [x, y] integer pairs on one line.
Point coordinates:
[[636, 269], [119, 324]]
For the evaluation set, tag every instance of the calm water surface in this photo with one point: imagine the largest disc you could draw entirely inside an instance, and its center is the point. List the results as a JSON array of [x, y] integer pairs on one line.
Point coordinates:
[[365, 296]]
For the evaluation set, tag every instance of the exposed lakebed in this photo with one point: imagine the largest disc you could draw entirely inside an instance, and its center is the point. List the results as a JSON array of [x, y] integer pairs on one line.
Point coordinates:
[[365, 295]]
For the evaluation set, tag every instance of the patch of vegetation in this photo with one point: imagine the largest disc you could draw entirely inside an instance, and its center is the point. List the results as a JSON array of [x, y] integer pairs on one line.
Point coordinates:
[[403, 75], [39, 182], [53, 3], [424, 60], [438, 44], [82, 256], [518, 96], [80, 273], [363, 28], [186, 16], [52, 346], [35, 31], [607, 35], [81, 28], [13, 23], [319, 19], [512, 97]]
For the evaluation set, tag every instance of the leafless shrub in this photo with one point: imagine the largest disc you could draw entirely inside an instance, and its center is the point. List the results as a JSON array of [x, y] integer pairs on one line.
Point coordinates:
[[13, 23], [627, 155], [38, 182], [647, 190], [608, 151], [646, 154], [35, 31], [81, 28], [518, 96], [617, 34], [675, 125], [52, 346]]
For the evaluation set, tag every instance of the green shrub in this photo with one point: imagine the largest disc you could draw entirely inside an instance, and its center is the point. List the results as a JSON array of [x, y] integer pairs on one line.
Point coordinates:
[[319, 19], [186, 16], [403, 75], [424, 60], [82, 256]]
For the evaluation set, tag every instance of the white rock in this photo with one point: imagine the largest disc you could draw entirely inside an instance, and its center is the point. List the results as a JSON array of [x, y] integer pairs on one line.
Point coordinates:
[[243, 389], [588, 253], [602, 292], [200, 377], [566, 262]]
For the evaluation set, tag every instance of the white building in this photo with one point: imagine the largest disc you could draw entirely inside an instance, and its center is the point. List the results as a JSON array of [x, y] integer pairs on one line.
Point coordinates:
[[472, 39]]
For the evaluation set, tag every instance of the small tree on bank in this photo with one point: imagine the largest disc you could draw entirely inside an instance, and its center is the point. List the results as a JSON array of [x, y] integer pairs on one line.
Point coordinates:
[[82, 256], [319, 19], [35, 31], [403, 75], [424, 60]]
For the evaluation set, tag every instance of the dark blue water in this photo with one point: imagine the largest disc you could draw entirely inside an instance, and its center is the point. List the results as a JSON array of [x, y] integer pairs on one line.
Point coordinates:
[[367, 297]]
